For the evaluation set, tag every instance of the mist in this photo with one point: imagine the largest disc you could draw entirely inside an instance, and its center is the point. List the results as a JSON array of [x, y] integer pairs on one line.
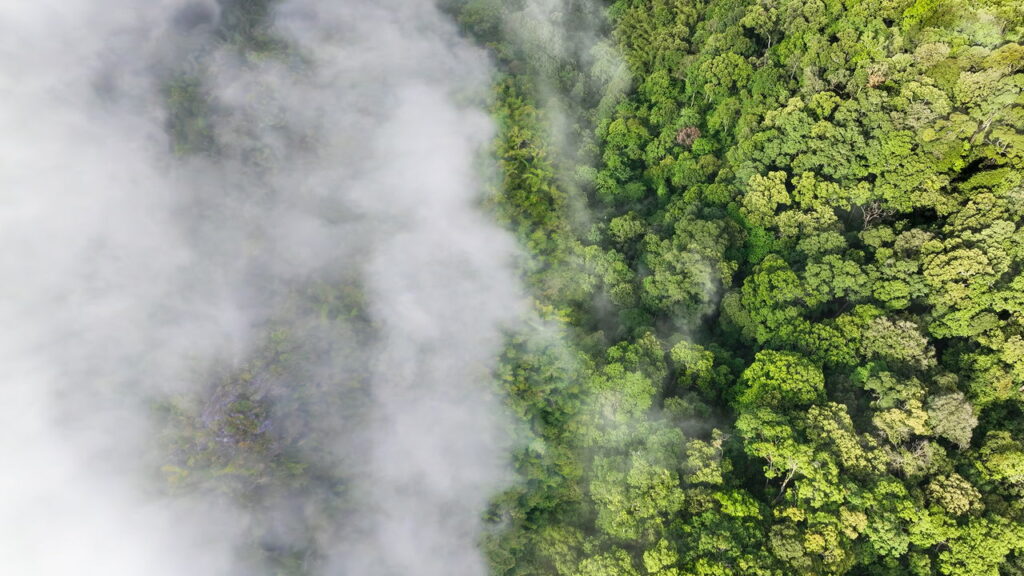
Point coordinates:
[[176, 179], [579, 78]]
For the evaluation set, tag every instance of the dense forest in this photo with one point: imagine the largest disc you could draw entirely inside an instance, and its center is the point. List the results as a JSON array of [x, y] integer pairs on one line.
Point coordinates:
[[786, 257], [774, 271]]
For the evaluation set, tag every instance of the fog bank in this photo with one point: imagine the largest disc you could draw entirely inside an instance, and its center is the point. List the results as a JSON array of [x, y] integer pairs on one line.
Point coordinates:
[[152, 230]]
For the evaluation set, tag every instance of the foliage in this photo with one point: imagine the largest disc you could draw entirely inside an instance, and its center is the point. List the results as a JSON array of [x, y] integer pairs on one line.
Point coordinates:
[[793, 311], [775, 249]]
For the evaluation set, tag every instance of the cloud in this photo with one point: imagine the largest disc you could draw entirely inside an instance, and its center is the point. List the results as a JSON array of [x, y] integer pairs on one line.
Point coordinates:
[[352, 151]]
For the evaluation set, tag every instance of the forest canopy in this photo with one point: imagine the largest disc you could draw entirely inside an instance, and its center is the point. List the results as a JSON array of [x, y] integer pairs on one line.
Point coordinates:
[[786, 255], [774, 254]]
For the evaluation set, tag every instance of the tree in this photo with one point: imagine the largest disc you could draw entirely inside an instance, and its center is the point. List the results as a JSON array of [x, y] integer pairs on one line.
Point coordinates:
[[781, 380], [1001, 458], [952, 417], [613, 563], [954, 494]]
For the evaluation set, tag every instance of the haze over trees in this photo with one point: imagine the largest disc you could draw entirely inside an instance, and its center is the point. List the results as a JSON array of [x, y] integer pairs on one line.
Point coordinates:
[[720, 287], [252, 303]]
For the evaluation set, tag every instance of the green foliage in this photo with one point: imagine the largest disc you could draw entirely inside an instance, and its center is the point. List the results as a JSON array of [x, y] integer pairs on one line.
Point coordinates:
[[188, 117], [781, 380], [804, 230], [777, 283]]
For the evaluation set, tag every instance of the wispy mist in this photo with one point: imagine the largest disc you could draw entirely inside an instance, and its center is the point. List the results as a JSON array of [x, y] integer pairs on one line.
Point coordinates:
[[143, 244], [579, 77]]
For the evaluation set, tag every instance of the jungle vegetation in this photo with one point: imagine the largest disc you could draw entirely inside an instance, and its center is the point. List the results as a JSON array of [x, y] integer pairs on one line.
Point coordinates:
[[778, 270], [788, 262]]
